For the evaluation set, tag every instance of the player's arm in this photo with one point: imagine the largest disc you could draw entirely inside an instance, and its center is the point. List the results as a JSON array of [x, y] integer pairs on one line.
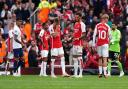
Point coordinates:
[[41, 35], [16, 39], [53, 31], [94, 36], [83, 28]]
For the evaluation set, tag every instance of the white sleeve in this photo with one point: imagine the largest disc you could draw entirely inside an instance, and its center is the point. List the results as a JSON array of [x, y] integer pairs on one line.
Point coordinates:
[[2, 13], [41, 33], [2, 30], [10, 34], [94, 36], [51, 30], [28, 49], [109, 33], [83, 27]]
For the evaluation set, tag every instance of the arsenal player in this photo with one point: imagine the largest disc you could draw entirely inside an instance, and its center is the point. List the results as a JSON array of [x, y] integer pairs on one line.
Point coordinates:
[[56, 47], [78, 34], [44, 36], [102, 32]]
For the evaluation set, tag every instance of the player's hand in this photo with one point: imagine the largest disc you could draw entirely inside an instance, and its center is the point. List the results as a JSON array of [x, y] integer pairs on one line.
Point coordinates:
[[111, 41], [44, 46]]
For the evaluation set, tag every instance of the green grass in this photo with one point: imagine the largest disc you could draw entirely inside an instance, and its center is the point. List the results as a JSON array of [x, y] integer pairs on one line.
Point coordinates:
[[87, 82]]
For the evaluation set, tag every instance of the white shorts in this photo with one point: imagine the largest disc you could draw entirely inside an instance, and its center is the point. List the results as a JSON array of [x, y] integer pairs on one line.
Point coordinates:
[[57, 51], [103, 51], [77, 50], [44, 53]]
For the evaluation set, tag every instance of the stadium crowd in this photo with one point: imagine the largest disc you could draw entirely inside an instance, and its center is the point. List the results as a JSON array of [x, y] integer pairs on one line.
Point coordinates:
[[19, 11]]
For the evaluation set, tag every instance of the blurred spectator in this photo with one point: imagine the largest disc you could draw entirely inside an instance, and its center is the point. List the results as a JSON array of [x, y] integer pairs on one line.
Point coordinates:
[[5, 13], [92, 59], [33, 54], [126, 55], [1, 28], [28, 30], [52, 14], [89, 18], [25, 12], [3, 49]]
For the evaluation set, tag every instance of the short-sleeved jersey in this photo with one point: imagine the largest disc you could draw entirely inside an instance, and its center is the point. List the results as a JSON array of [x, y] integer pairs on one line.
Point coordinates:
[[37, 27], [44, 37], [79, 28], [55, 41], [17, 33], [116, 36], [102, 31]]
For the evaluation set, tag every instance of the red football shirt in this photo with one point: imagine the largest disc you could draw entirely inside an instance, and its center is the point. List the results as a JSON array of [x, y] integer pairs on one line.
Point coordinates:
[[79, 28], [44, 36], [102, 31], [55, 41]]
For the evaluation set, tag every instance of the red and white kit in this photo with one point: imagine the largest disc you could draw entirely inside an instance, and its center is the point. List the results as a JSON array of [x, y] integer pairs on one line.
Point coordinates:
[[102, 31], [44, 37], [79, 28], [56, 44]]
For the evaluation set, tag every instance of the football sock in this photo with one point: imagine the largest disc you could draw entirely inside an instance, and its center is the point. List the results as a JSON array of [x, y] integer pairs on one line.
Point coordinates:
[[52, 66], [41, 68], [80, 65], [109, 67], [15, 66], [105, 70], [45, 66], [119, 65], [63, 65], [100, 69], [75, 66]]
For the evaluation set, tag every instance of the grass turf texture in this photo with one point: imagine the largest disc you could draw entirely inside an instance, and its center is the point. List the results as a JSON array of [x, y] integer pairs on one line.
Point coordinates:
[[87, 82]]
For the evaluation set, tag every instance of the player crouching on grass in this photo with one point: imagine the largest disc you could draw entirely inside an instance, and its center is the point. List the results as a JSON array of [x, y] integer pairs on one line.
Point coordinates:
[[114, 50], [44, 36]]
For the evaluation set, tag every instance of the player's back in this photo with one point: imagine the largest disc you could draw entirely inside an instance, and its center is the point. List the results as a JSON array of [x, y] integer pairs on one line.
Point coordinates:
[[102, 33]]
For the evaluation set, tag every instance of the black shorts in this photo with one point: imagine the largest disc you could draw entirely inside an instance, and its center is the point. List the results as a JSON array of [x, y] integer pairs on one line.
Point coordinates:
[[114, 55], [18, 52]]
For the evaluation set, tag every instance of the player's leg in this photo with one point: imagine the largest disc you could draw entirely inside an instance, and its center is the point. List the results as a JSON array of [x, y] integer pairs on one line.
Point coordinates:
[[105, 55], [20, 61], [116, 55], [44, 55], [16, 56], [109, 67], [61, 55], [54, 53], [75, 61], [80, 60], [100, 61], [111, 55]]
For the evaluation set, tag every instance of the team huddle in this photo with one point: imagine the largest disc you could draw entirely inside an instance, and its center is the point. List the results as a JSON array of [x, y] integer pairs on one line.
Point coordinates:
[[105, 41]]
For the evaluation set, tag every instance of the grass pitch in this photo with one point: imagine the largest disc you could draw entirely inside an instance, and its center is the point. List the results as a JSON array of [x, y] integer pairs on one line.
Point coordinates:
[[87, 82]]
